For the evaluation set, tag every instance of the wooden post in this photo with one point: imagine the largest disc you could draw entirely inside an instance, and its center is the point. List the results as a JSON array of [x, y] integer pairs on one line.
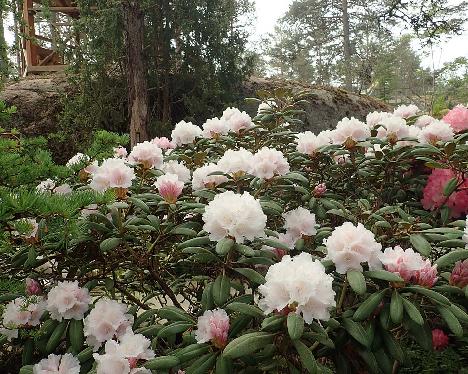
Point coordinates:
[[29, 32]]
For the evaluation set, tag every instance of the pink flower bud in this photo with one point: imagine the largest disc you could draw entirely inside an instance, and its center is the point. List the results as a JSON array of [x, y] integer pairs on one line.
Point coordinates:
[[169, 187], [439, 339], [320, 190], [459, 276], [32, 287]]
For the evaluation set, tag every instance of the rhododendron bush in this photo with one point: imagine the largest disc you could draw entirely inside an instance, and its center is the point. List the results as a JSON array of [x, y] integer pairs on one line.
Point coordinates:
[[244, 246]]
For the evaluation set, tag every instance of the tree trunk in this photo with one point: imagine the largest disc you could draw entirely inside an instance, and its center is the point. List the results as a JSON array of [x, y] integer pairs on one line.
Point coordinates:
[[4, 63], [137, 83], [346, 46]]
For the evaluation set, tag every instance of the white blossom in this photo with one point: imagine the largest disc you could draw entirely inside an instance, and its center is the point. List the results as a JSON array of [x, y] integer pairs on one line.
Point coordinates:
[[234, 215], [237, 120], [436, 131], [393, 128], [77, 159], [53, 364], [214, 127], [147, 154], [67, 300], [46, 186], [185, 133], [349, 246], [308, 143], [108, 319], [202, 178], [406, 111], [234, 162], [177, 168], [113, 173], [298, 284], [350, 128], [299, 222], [375, 118], [268, 162]]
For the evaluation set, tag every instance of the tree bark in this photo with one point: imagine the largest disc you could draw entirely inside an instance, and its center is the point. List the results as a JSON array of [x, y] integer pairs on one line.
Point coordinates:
[[136, 70], [346, 46], [4, 63]]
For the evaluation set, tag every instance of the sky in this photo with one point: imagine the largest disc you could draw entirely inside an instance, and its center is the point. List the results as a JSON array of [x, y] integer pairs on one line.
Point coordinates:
[[269, 11]]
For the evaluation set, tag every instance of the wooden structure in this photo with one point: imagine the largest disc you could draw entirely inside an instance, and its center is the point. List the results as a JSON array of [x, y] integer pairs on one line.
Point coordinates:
[[42, 53]]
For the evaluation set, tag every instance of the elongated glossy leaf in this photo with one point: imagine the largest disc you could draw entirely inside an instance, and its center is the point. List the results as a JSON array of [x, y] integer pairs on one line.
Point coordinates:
[[356, 281], [295, 325], [247, 344]]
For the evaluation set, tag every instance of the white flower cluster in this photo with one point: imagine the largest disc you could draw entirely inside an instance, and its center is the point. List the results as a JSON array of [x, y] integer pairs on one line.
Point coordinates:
[[298, 284], [233, 215], [349, 246], [146, 154], [113, 173], [77, 159], [122, 357], [107, 320], [67, 300]]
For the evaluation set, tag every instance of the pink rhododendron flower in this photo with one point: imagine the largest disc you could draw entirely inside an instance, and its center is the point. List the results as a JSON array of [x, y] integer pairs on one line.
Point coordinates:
[[320, 189], [436, 131], [67, 300], [308, 143], [169, 187], [299, 222], [457, 118], [237, 120], [268, 162], [349, 131], [33, 287], [349, 246], [146, 154], [120, 152], [406, 111], [213, 326], [163, 143], [459, 276], [202, 179], [440, 339], [108, 319], [266, 106], [234, 215], [300, 284], [53, 364], [433, 196], [24, 311], [410, 266], [215, 127], [185, 133], [92, 168], [113, 173]]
